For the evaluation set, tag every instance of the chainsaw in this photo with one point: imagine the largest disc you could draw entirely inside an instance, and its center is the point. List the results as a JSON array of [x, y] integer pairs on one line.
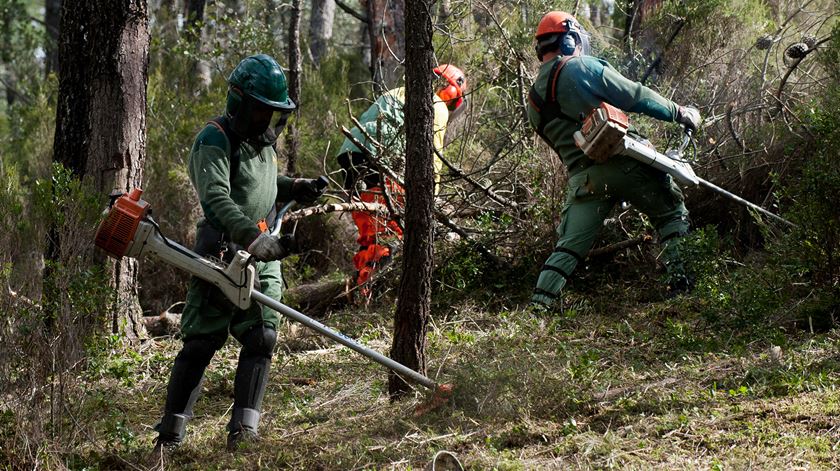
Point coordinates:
[[604, 134], [128, 230]]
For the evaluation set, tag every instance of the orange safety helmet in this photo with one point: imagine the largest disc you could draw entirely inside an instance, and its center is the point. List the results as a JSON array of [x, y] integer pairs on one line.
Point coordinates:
[[452, 94], [554, 22], [560, 30]]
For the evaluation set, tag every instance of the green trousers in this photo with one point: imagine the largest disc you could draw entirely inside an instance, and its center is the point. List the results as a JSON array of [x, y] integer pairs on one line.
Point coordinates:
[[593, 190], [209, 313]]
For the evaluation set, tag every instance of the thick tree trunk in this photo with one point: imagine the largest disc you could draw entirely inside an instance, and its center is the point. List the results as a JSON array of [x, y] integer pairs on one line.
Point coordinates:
[[320, 28], [415, 293], [387, 39], [294, 87], [52, 15], [100, 132]]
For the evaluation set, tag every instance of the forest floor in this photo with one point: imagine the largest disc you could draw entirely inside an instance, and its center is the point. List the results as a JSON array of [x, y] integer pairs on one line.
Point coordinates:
[[617, 378]]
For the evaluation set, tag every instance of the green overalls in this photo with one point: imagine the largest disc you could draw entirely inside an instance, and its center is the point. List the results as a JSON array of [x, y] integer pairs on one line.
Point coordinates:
[[233, 205], [594, 189]]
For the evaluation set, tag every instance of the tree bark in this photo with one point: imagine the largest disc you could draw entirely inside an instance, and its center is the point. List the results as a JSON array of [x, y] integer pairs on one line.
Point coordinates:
[[415, 292], [52, 15], [320, 28], [294, 87], [386, 20], [100, 132]]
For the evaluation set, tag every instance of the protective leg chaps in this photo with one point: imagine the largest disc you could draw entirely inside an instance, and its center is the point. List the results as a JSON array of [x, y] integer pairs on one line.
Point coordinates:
[[250, 383], [184, 388]]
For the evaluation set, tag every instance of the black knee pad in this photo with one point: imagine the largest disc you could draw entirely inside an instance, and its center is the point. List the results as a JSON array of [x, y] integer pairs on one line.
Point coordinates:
[[259, 341], [199, 351]]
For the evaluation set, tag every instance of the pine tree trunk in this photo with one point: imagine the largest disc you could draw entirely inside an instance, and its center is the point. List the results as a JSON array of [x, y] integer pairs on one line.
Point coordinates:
[[100, 132], [387, 39], [320, 28], [294, 87], [415, 293], [52, 15]]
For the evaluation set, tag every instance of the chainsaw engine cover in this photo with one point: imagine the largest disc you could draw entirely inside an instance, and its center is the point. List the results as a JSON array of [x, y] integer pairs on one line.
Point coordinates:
[[116, 232], [602, 132]]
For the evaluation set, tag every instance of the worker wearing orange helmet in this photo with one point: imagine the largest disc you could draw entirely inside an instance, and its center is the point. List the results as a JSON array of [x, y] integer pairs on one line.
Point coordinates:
[[382, 123], [570, 84]]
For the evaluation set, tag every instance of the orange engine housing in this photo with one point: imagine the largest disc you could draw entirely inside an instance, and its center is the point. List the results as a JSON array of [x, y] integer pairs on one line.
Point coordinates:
[[116, 232]]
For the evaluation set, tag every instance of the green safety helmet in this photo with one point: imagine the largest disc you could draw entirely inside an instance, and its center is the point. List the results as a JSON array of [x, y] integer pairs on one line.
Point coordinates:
[[256, 89]]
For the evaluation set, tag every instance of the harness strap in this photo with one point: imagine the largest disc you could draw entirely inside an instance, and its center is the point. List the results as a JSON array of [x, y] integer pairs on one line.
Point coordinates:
[[548, 108], [222, 125]]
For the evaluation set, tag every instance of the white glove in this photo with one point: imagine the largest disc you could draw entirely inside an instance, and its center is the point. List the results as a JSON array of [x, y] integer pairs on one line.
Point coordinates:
[[689, 117], [267, 247]]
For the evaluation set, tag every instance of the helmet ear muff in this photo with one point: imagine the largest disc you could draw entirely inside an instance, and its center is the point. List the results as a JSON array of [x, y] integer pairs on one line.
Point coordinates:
[[568, 44]]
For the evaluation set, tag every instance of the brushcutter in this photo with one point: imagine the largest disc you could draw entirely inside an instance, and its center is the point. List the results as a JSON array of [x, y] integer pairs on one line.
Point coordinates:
[[128, 230], [604, 133]]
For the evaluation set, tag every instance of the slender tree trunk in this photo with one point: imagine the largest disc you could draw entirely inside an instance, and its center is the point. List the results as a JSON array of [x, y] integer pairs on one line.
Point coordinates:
[[52, 15], [294, 87], [320, 28], [415, 293], [194, 17], [387, 39], [100, 132], [444, 12], [630, 21]]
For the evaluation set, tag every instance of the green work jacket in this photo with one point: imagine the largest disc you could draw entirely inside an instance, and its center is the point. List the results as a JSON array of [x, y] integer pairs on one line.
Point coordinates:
[[384, 120], [235, 205], [582, 85]]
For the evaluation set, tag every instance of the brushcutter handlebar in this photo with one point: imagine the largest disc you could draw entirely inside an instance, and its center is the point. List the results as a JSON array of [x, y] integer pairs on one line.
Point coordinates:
[[321, 183]]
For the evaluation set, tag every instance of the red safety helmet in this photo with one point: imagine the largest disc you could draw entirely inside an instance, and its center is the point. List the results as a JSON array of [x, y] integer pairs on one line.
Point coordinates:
[[452, 94]]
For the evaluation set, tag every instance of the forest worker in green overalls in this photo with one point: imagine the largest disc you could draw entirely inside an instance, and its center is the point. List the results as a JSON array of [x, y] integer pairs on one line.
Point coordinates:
[[580, 84], [233, 166]]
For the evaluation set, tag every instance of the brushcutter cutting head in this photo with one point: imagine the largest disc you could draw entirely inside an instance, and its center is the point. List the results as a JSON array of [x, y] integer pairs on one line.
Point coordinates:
[[440, 396], [116, 232]]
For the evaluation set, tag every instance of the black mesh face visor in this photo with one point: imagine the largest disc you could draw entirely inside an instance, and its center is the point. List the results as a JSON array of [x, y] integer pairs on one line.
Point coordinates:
[[253, 118]]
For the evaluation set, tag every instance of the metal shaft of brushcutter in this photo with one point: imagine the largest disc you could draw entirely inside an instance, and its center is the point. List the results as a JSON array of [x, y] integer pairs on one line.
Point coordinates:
[[730, 195], [673, 164], [287, 311]]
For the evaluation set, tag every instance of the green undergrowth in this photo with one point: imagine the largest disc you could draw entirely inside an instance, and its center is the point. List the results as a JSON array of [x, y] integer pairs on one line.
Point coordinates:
[[731, 376]]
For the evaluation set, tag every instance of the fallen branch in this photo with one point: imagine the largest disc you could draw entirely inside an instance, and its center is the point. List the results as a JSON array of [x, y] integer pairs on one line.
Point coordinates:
[[334, 208], [487, 191]]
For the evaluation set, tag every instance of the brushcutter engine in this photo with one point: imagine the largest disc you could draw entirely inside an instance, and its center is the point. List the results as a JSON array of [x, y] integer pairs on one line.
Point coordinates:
[[129, 231]]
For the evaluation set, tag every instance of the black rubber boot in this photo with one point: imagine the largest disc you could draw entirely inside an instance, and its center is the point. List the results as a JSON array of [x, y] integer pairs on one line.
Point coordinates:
[[249, 384]]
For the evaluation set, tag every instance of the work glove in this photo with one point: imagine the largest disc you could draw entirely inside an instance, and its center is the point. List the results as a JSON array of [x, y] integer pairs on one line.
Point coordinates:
[[689, 117], [267, 247], [306, 190]]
